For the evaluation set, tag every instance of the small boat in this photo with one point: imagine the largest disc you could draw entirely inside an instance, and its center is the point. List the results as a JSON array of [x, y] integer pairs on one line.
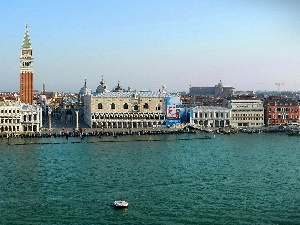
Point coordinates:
[[120, 204], [294, 133]]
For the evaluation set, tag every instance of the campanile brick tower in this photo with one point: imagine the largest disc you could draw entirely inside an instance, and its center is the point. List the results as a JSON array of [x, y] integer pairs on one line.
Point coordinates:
[[26, 70]]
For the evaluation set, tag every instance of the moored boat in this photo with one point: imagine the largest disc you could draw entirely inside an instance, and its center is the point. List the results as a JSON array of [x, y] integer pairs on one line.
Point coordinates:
[[120, 204], [294, 133]]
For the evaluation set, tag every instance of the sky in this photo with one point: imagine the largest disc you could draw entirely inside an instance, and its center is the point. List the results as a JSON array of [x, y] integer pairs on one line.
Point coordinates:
[[144, 44]]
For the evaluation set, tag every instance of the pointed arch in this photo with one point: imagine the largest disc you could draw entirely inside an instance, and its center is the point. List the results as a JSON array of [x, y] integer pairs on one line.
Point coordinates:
[[146, 106]]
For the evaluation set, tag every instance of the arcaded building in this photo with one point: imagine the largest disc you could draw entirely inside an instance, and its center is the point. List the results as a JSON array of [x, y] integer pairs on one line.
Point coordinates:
[[210, 116], [125, 109]]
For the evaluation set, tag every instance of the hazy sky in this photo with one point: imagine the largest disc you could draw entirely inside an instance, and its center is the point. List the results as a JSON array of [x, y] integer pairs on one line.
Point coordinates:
[[144, 44]]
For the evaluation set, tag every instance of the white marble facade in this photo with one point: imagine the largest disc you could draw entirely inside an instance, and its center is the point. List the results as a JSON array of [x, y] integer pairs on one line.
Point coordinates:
[[210, 116], [16, 117]]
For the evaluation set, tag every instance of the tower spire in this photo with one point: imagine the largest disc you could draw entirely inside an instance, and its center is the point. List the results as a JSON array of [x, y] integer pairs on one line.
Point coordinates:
[[26, 39]]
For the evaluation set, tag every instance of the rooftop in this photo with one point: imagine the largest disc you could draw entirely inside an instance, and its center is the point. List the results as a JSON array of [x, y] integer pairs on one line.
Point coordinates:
[[132, 94], [210, 108]]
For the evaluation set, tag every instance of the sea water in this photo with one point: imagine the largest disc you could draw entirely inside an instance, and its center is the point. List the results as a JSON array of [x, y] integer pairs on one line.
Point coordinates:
[[166, 179]]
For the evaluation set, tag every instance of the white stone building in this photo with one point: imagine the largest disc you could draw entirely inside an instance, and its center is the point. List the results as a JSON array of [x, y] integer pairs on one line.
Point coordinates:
[[210, 116], [16, 117], [246, 113]]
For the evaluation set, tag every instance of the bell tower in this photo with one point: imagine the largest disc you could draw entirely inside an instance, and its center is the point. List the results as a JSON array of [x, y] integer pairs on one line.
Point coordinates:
[[26, 70]]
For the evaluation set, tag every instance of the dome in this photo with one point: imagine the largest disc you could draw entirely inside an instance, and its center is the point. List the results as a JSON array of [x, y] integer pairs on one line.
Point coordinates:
[[118, 88], [84, 90], [102, 87], [220, 84]]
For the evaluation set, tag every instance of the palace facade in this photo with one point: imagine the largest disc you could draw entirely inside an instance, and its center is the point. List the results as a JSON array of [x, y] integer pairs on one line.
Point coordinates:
[[124, 109]]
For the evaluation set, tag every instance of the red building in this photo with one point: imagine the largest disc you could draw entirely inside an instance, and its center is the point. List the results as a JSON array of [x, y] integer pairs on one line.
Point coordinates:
[[281, 111], [26, 70]]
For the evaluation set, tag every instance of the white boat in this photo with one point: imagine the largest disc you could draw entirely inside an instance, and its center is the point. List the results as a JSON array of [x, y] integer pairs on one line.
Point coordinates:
[[120, 204]]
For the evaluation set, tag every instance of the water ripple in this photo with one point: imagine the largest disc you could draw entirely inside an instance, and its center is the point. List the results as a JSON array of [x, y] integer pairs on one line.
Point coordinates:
[[239, 179]]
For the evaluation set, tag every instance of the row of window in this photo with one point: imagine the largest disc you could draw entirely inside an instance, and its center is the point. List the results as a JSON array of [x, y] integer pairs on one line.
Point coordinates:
[[211, 115], [252, 110], [246, 124], [125, 106], [283, 110], [4, 121], [246, 115], [162, 117], [26, 118], [30, 117], [247, 106], [246, 118], [9, 111], [283, 117], [13, 128], [285, 103]]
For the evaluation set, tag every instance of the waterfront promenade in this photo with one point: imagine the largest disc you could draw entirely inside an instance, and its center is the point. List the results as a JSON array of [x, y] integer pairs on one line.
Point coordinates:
[[67, 130], [84, 132], [116, 132]]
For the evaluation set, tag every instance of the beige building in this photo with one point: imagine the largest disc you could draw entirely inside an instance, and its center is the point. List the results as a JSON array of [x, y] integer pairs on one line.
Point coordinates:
[[125, 109], [246, 113]]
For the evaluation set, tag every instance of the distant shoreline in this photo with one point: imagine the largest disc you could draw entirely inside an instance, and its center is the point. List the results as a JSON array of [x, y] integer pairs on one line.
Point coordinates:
[[71, 132], [65, 133]]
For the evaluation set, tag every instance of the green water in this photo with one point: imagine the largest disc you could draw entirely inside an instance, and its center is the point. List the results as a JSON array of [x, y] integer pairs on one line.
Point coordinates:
[[166, 179]]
